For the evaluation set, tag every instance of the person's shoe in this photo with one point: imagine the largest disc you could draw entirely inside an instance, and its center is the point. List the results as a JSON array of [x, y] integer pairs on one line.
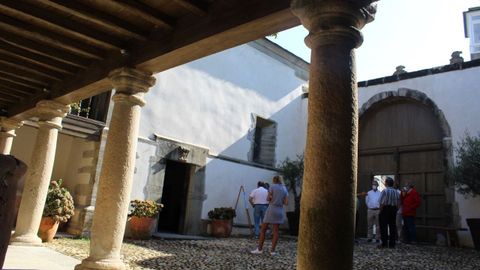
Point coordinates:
[[369, 240], [256, 251], [273, 253], [381, 247]]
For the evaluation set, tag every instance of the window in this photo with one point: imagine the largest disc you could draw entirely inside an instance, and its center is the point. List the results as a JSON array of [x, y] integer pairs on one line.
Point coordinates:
[[472, 28], [264, 142]]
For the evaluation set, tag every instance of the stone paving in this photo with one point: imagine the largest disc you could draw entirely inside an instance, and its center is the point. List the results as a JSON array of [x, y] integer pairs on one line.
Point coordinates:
[[232, 253]]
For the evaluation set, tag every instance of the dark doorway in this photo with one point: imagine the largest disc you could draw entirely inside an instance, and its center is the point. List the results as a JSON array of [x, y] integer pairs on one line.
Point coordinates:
[[174, 196]]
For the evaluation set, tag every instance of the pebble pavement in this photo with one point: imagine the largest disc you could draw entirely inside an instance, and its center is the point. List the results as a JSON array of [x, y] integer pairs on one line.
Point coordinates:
[[233, 253]]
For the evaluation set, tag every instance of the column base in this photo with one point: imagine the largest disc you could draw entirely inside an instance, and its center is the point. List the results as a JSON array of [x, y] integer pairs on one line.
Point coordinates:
[[103, 264], [26, 240]]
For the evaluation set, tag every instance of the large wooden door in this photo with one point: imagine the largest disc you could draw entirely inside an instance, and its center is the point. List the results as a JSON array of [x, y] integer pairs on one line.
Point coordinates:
[[403, 138]]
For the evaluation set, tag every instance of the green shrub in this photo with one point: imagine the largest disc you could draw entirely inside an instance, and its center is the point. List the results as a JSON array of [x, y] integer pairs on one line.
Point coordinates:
[[466, 173], [59, 204], [223, 213], [144, 208]]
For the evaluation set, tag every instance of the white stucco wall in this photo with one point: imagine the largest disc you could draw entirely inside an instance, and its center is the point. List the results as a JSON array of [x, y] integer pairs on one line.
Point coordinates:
[[456, 93], [211, 103]]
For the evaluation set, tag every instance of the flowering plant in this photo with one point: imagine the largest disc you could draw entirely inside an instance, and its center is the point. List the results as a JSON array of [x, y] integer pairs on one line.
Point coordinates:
[[59, 204], [223, 213], [147, 208]]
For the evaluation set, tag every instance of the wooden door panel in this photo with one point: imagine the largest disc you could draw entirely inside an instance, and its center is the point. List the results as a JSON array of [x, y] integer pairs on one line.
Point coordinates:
[[404, 138], [377, 164], [421, 161]]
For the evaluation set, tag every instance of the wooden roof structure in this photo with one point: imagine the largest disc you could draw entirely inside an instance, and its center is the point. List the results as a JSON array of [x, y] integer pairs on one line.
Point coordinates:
[[64, 50]]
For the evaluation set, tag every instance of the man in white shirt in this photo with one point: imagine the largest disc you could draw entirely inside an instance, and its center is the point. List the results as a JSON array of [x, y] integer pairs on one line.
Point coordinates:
[[373, 204], [258, 199]]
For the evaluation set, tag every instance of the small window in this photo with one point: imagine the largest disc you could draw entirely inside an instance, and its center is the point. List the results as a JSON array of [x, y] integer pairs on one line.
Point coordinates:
[[264, 142]]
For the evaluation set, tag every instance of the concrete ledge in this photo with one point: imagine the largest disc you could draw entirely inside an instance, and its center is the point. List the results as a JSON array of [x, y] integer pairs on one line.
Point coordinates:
[[38, 258]]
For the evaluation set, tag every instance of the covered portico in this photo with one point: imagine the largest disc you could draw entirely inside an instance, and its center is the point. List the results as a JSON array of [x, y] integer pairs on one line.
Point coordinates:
[[54, 53]]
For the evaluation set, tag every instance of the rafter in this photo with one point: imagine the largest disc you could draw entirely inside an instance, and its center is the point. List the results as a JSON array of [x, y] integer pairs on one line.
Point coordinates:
[[141, 10], [22, 74], [194, 6], [96, 17], [17, 88], [28, 70], [6, 76], [36, 33], [45, 50], [63, 26], [7, 92], [37, 59], [31, 67]]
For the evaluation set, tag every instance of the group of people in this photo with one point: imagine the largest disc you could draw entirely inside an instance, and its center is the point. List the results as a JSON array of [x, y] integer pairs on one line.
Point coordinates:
[[268, 201], [387, 209]]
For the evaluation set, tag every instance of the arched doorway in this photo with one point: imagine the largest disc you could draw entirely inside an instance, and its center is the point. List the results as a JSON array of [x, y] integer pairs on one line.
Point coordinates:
[[403, 134]]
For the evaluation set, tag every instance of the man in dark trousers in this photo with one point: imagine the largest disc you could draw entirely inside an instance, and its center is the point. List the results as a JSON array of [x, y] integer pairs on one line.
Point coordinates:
[[410, 201], [389, 203]]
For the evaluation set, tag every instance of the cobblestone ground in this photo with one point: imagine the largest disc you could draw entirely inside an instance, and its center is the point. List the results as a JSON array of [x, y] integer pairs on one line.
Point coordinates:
[[232, 253]]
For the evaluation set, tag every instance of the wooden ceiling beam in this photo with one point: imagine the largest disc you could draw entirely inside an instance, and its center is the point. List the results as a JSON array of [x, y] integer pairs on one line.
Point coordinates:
[[228, 24], [45, 62], [39, 34], [45, 50], [18, 88], [6, 101], [194, 39], [96, 17], [6, 76], [64, 26], [195, 6], [41, 75], [143, 11], [7, 92], [29, 66], [22, 74]]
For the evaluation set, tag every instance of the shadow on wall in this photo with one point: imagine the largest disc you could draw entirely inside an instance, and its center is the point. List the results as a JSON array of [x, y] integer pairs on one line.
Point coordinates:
[[224, 177]]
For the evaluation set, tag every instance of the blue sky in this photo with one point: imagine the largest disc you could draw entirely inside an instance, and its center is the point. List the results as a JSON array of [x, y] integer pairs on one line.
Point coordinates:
[[418, 34]]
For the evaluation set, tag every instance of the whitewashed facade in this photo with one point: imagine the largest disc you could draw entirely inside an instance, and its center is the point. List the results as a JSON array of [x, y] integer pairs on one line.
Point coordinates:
[[211, 105]]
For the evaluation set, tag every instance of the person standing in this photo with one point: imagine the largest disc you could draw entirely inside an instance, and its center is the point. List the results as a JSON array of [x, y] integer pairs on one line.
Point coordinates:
[[275, 215], [372, 200], [258, 199], [410, 202], [389, 203]]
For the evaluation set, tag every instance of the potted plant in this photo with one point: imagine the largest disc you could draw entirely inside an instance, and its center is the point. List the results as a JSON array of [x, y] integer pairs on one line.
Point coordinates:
[[58, 208], [292, 171], [466, 175], [222, 221], [142, 218]]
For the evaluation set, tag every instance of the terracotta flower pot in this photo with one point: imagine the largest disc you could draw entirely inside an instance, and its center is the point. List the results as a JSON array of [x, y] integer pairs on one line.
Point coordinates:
[[141, 227], [221, 228], [48, 229]]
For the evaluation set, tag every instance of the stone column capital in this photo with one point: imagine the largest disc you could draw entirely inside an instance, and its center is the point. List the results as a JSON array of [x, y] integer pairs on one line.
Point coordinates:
[[8, 124], [50, 113], [131, 81], [333, 22]]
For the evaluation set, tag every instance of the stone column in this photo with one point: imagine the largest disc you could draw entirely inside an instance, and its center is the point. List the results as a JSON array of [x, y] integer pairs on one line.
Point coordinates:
[[7, 133], [326, 232], [113, 195], [50, 114]]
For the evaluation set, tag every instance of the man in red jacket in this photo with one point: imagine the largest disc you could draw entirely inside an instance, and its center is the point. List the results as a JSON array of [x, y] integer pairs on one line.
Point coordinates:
[[410, 203]]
